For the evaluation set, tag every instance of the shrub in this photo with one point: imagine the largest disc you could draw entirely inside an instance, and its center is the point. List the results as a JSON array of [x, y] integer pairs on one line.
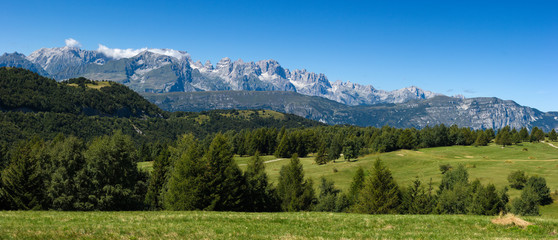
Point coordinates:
[[517, 179]]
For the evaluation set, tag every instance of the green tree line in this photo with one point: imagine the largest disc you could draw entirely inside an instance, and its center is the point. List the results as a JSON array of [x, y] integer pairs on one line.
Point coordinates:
[[67, 173]]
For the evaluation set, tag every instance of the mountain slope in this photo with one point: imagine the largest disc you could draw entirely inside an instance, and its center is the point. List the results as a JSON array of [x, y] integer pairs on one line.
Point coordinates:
[[473, 112], [24, 90], [167, 70], [33, 105]]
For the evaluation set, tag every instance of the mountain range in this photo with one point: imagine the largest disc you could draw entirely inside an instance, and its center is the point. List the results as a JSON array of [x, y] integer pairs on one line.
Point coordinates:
[[166, 70], [175, 82]]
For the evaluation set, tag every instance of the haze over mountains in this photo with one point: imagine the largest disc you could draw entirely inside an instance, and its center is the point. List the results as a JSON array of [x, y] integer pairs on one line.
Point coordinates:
[[175, 82]]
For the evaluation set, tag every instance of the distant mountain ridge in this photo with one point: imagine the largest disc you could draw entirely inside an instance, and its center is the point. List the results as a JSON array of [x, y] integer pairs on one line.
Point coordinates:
[[167, 70], [477, 113], [175, 82]]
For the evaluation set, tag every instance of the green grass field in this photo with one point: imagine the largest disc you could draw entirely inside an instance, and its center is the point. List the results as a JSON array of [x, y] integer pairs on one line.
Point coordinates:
[[490, 164], [226, 225]]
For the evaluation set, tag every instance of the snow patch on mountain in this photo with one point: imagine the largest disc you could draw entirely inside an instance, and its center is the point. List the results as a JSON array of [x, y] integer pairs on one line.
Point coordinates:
[[146, 72], [117, 53]]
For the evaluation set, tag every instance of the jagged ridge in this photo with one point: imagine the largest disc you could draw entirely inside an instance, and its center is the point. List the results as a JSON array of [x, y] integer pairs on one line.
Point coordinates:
[[167, 70]]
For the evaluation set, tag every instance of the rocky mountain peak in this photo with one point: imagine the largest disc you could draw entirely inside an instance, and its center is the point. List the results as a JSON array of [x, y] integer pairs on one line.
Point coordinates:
[[149, 74]]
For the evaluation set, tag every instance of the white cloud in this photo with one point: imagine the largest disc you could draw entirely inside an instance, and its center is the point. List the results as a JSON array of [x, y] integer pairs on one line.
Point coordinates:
[[169, 52], [117, 53], [70, 42]]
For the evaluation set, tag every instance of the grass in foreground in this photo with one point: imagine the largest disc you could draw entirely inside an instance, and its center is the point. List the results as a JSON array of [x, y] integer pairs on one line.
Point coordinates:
[[226, 225]]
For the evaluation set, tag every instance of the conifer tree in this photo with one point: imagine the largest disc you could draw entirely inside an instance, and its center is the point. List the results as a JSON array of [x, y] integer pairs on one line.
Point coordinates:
[[187, 188], [537, 134], [225, 181], [356, 185], [524, 134], [380, 194], [296, 193], [482, 139], [407, 139], [416, 200], [335, 147], [261, 196], [504, 137], [485, 200], [327, 199], [23, 179], [283, 149], [321, 155], [538, 184], [116, 183], [552, 136], [453, 193], [159, 176]]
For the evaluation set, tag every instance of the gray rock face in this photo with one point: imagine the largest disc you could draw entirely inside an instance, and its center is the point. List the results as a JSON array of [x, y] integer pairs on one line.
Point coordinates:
[[266, 84], [55, 61], [477, 113], [19, 60], [167, 70]]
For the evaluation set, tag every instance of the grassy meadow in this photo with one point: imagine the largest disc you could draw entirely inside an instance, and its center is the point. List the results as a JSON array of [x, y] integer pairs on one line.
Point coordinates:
[[227, 225], [489, 164]]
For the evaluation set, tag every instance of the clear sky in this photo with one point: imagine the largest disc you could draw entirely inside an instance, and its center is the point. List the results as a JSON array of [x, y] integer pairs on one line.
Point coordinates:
[[506, 49]]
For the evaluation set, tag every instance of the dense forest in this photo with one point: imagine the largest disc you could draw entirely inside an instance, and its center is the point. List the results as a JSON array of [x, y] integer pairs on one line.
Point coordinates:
[[75, 146]]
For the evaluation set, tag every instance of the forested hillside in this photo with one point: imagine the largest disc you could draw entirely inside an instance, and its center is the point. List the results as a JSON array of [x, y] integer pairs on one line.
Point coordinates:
[[23, 90], [34, 105]]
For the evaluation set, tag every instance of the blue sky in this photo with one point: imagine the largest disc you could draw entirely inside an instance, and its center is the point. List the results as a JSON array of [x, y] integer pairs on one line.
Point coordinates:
[[506, 49]]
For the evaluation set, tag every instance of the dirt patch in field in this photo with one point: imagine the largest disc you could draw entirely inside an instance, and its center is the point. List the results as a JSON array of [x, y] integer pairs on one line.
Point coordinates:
[[510, 219], [401, 154]]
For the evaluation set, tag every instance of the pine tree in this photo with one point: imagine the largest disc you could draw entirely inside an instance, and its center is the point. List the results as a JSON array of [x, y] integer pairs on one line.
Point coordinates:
[[283, 149], [23, 179], [415, 199], [482, 139], [321, 156], [524, 134], [537, 134], [225, 181], [116, 183], [261, 196], [504, 137], [350, 149], [407, 139], [485, 200], [335, 147], [380, 194], [187, 189], [159, 176], [538, 184], [552, 136], [327, 199], [356, 185], [296, 193]]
